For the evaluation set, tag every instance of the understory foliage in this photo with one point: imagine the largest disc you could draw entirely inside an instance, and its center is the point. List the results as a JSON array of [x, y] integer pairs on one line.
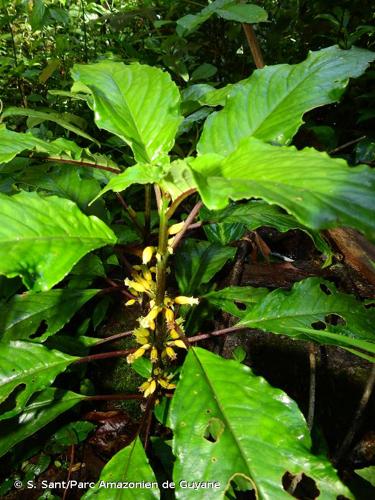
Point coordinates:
[[100, 192]]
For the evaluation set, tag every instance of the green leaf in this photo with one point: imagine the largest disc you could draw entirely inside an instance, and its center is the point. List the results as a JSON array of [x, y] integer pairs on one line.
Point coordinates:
[[228, 423], [48, 405], [255, 214], [368, 473], [197, 262], [72, 433], [37, 14], [128, 465], [321, 192], [21, 317], [223, 233], [310, 301], [228, 298], [270, 104], [13, 143], [42, 238], [25, 368], [138, 174], [138, 103], [228, 9], [50, 116]]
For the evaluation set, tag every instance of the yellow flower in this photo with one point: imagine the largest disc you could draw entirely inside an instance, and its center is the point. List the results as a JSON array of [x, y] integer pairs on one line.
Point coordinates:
[[178, 343], [149, 320], [169, 315], [138, 353], [154, 354], [176, 228], [141, 335], [130, 302], [147, 254], [166, 384], [135, 286], [186, 300], [174, 334], [170, 353], [148, 387]]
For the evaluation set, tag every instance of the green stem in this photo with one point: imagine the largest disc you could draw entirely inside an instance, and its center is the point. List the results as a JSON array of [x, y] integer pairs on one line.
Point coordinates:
[[147, 228], [161, 268]]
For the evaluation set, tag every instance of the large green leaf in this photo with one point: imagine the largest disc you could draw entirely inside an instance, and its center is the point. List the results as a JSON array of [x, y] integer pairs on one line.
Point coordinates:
[[13, 143], [50, 116], [229, 424], [310, 301], [270, 104], [197, 262], [21, 317], [48, 405], [138, 103], [175, 178], [42, 238], [130, 465], [227, 9], [228, 298], [321, 192], [26, 368], [255, 214]]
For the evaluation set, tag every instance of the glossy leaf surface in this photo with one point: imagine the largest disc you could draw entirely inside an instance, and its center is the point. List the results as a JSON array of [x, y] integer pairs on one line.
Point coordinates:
[[42, 238], [26, 368], [21, 317], [321, 192], [227, 422], [47, 406], [128, 465], [270, 104], [138, 103]]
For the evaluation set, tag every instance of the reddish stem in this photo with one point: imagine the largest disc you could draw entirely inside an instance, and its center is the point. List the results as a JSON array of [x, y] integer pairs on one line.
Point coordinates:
[[105, 355]]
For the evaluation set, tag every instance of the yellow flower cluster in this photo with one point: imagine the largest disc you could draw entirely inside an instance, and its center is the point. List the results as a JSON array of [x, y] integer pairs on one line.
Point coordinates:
[[141, 284]]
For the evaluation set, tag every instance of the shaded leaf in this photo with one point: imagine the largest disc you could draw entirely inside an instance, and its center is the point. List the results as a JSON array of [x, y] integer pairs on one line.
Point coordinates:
[[138, 103], [229, 298], [197, 262], [42, 238], [25, 368], [130, 465], [227, 422], [270, 104], [21, 317], [48, 116], [257, 214], [48, 405], [228, 9], [321, 192]]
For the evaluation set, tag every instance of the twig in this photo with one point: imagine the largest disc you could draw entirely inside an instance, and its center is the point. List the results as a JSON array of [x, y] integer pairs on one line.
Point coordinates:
[[81, 164], [157, 196], [131, 213], [357, 417], [253, 45], [118, 336], [104, 355], [171, 210], [187, 223], [147, 227], [216, 333], [312, 387], [114, 397], [127, 294], [71, 461], [343, 146]]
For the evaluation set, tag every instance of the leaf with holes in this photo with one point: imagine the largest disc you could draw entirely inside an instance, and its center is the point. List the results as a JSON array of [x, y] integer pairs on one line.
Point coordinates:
[[321, 192], [270, 104], [197, 262], [228, 423], [128, 465], [138, 103], [236, 300], [42, 238], [255, 214], [310, 301], [47, 406], [26, 368], [23, 315]]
